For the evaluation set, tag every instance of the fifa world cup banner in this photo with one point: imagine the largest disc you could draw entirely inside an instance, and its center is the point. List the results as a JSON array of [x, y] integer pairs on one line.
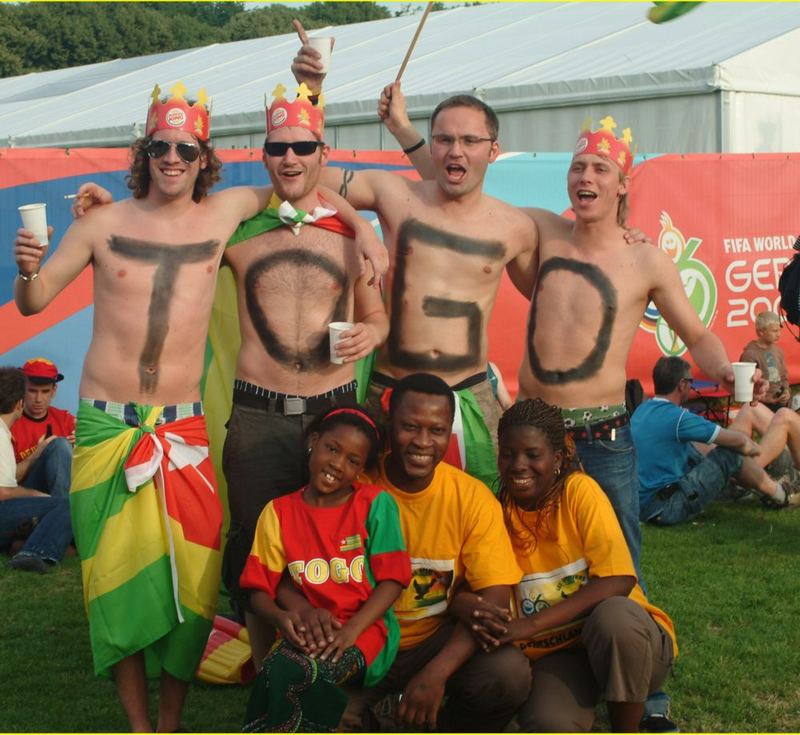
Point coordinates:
[[728, 223]]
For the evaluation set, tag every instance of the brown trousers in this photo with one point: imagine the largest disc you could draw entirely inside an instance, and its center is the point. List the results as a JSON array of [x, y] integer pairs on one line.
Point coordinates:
[[625, 655]]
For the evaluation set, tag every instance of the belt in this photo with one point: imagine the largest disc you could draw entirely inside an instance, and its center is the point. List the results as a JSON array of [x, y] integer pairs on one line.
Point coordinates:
[[126, 412], [246, 394], [600, 430]]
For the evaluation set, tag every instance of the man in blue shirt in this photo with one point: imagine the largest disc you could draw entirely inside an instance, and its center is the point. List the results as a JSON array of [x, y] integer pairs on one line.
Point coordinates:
[[677, 478]]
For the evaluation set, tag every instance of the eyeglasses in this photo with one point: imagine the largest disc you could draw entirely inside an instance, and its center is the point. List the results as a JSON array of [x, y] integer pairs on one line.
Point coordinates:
[[465, 141], [300, 147], [188, 152], [687, 380]]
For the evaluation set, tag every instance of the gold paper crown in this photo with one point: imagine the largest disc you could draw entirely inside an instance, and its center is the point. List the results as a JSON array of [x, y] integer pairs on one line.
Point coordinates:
[[176, 113], [603, 142]]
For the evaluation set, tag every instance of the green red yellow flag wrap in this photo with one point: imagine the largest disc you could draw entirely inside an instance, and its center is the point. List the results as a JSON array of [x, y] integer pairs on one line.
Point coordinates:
[[147, 521]]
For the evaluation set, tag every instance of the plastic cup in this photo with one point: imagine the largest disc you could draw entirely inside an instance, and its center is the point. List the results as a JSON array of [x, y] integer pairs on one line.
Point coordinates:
[[743, 381], [335, 330], [34, 218], [323, 44]]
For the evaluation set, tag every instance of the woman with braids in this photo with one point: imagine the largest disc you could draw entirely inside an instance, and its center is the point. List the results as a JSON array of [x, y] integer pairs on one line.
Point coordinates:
[[341, 544], [579, 614]]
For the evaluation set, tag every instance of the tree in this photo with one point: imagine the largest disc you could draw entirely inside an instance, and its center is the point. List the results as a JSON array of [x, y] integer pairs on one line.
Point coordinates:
[[270, 21], [338, 14]]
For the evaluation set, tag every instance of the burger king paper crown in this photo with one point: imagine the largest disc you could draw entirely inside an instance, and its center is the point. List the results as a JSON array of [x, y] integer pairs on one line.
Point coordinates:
[[602, 142], [176, 113], [298, 114]]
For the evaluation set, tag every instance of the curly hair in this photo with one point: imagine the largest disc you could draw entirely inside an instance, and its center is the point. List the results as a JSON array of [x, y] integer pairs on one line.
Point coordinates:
[[138, 180], [547, 419]]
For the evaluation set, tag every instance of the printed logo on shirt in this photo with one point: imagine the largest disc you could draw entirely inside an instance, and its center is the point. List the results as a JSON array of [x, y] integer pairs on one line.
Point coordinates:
[[319, 571], [537, 592], [429, 591], [350, 543]]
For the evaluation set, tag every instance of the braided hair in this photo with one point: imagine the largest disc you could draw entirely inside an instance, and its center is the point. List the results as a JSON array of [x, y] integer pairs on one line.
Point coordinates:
[[537, 414]]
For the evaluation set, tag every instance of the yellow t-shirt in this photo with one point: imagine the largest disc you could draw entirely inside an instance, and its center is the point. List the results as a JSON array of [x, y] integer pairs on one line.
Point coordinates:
[[453, 530], [582, 539]]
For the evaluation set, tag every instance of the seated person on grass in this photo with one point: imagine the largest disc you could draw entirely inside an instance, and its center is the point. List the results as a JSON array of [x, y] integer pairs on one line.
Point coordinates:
[[22, 506], [454, 533], [341, 543], [778, 435], [764, 351], [44, 435], [679, 478], [581, 618]]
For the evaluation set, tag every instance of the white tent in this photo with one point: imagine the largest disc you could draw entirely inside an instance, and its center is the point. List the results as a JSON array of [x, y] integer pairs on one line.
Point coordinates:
[[723, 78]]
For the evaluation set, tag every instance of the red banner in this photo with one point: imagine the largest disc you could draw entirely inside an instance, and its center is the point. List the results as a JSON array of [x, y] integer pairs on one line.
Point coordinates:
[[729, 223]]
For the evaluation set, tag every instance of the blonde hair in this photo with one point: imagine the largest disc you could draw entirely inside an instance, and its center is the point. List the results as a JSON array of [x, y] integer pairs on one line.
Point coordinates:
[[765, 319]]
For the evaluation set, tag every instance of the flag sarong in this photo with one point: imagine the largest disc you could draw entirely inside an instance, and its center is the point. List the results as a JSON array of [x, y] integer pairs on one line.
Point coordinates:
[[147, 520]]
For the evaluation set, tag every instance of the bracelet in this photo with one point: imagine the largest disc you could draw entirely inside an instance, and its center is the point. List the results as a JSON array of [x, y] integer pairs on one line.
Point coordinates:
[[415, 147], [29, 278]]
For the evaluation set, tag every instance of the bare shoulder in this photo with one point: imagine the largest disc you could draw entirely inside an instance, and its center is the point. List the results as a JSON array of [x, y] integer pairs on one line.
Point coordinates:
[[548, 223], [99, 220]]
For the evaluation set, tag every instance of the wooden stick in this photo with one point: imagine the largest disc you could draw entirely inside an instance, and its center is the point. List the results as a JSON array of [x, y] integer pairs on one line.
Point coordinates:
[[414, 41]]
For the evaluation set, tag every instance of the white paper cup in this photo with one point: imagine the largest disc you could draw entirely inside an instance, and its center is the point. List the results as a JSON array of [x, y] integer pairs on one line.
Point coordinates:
[[34, 218], [743, 381], [335, 330], [323, 44]]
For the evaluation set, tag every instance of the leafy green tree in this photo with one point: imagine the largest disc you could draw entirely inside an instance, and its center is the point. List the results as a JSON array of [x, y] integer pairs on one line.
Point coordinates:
[[11, 64], [213, 14], [272, 20], [337, 14]]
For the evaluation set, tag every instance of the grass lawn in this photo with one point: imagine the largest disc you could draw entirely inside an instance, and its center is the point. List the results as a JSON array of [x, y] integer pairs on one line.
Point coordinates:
[[730, 580]]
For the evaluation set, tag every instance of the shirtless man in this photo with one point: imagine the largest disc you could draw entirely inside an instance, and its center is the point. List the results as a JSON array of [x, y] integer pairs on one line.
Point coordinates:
[[291, 283], [448, 243], [149, 550], [591, 291]]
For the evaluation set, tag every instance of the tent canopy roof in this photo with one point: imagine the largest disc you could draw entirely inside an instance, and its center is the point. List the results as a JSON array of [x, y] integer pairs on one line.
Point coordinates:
[[512, 54]]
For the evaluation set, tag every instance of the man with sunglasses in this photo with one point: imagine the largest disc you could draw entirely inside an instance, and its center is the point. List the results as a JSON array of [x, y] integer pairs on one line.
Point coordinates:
[[449, 243], [146, 513], [296, 271]]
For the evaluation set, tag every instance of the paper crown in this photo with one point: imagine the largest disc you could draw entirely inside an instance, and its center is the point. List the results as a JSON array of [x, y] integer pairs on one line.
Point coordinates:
[[176, 113], [301, 113], [602, 142]]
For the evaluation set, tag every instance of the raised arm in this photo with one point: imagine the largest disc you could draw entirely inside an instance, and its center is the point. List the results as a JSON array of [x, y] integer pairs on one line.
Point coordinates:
[[37, 285], [392, 110]]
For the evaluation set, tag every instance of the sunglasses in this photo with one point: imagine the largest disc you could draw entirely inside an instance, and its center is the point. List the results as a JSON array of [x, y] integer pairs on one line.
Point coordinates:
[[188, 152], [300, 147]]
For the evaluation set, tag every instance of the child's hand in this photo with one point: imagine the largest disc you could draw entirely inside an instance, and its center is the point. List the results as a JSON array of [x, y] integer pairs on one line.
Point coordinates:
[[320, 626], [342, 640], [292, 629]]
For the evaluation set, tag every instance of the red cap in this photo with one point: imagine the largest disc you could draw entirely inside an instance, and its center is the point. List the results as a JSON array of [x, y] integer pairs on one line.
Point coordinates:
[[41, 370]]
